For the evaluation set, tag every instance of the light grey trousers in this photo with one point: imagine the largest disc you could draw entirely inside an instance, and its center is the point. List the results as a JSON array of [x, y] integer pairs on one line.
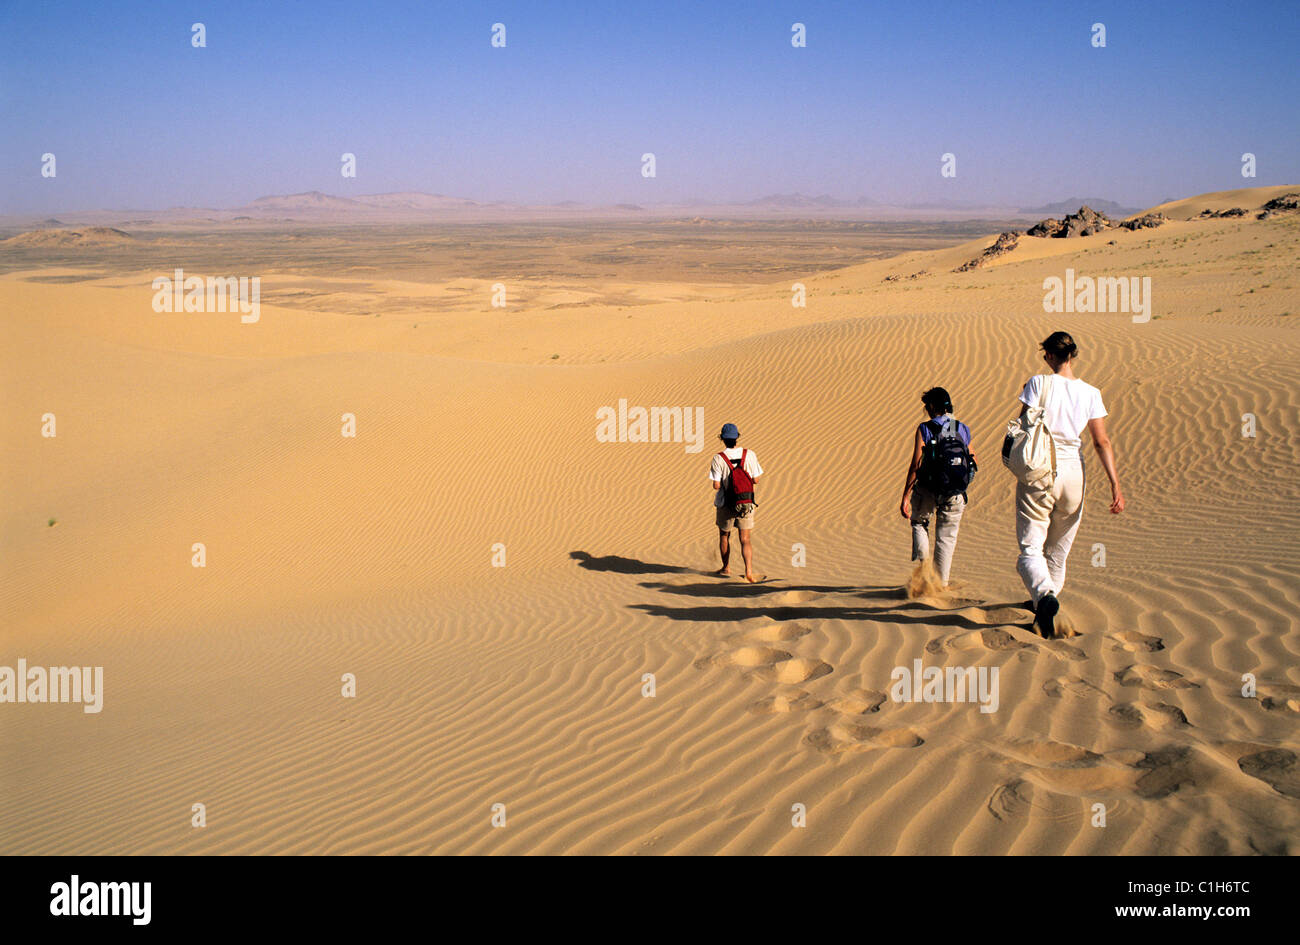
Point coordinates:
[[947, 519]]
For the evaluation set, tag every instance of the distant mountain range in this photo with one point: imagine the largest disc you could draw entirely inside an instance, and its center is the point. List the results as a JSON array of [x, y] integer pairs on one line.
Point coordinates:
[[407, 200], [315, 201], [1072, 205], [416, 207], [801, 202], [412, 200]]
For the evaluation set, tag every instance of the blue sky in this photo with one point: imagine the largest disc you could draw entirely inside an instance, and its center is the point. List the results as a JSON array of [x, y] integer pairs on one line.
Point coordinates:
[[138, 118]]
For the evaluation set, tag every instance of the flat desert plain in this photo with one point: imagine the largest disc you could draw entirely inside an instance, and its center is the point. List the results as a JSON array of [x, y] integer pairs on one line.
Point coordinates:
[[499, 581]]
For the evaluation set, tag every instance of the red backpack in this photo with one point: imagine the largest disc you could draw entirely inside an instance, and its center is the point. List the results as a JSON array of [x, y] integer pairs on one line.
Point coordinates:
[[739, 485]]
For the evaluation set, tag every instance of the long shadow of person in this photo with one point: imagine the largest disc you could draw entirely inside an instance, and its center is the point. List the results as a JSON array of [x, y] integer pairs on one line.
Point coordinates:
[[724, 614], [621, 565]]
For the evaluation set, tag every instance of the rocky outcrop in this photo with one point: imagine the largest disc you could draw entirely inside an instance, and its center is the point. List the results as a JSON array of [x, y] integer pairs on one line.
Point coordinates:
[[1287, 203], [1004, 244], [1044, 228], [1145, 222], [1084, 223], [1218, 214]]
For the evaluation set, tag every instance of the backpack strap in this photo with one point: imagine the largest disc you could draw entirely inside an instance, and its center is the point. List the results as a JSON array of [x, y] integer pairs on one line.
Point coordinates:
[[733, 464], [1042, 403], [1043, 391]]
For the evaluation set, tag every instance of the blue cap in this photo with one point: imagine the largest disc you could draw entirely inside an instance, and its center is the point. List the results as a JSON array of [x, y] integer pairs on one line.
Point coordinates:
[[729, 432]]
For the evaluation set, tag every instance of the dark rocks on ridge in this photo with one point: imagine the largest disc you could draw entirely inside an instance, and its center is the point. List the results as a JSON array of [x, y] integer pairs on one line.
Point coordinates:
[[1004, 244]]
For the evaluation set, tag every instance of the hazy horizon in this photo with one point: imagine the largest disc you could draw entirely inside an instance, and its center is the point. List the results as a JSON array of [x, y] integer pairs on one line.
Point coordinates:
[[138, 118], [842, 206]]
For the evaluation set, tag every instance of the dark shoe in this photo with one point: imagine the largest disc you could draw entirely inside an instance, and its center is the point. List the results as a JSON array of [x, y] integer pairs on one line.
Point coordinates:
[[1045, 616]]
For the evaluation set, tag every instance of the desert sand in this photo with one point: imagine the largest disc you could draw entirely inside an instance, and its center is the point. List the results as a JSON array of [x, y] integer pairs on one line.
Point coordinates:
[[522, 685]]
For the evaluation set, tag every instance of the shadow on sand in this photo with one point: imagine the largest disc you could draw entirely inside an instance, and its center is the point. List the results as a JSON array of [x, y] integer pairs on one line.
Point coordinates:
[[730, 587], [722, 613], [621, 565], [895, 606]]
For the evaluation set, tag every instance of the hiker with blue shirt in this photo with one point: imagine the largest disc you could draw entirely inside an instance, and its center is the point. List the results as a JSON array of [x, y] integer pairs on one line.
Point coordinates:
[[941, 469]]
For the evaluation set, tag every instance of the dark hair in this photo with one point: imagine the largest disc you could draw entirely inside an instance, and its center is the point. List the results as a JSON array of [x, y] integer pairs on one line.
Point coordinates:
[[729, 443], [1060, 345], [937, 401]]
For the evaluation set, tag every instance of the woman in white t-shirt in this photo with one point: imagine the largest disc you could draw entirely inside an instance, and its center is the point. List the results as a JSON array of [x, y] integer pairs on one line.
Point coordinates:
[[1048, 517]]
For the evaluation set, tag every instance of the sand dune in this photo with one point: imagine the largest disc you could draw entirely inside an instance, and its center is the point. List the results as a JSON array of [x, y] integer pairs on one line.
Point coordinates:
[[1248, 198], [90, 236], [522, 685]]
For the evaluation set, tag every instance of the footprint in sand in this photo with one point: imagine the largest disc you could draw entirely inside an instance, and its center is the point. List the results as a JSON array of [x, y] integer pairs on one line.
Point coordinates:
[[1168, 716], [1276, 767], [1149, 677], [1166, 770], [1133, 642], [1049, 754], [1013, 616], [845, 735], [857, 702], [793, 671], [1126, 714], [791, 700], [746, 657], [788, 598], [1278, 698], [1063, 650], [773, 632], [751, 656], [1162, 715], [769, 663], [1149, 775], [990, 638], [1061, 685], [995, 639]]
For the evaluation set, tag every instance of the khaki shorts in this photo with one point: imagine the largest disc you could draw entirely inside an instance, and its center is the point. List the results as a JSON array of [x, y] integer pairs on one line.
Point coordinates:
[[727, 519]]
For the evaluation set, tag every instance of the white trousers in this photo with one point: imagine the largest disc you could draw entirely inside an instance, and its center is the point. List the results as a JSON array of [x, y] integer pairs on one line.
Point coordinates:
[[1046, 522]]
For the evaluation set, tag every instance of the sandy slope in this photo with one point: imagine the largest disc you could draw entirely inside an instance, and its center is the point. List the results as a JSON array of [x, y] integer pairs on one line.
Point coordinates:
[[522, 685]]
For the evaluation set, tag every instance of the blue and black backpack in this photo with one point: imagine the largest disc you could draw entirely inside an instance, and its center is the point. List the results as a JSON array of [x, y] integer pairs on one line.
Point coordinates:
[[946, 465]]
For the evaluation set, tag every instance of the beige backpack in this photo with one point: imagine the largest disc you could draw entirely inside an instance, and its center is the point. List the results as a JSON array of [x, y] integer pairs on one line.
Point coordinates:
[[1029, 450]]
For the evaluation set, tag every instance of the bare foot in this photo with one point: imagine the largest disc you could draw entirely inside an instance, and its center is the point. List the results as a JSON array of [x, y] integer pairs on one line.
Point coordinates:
[[723, 572], [755, 578]]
